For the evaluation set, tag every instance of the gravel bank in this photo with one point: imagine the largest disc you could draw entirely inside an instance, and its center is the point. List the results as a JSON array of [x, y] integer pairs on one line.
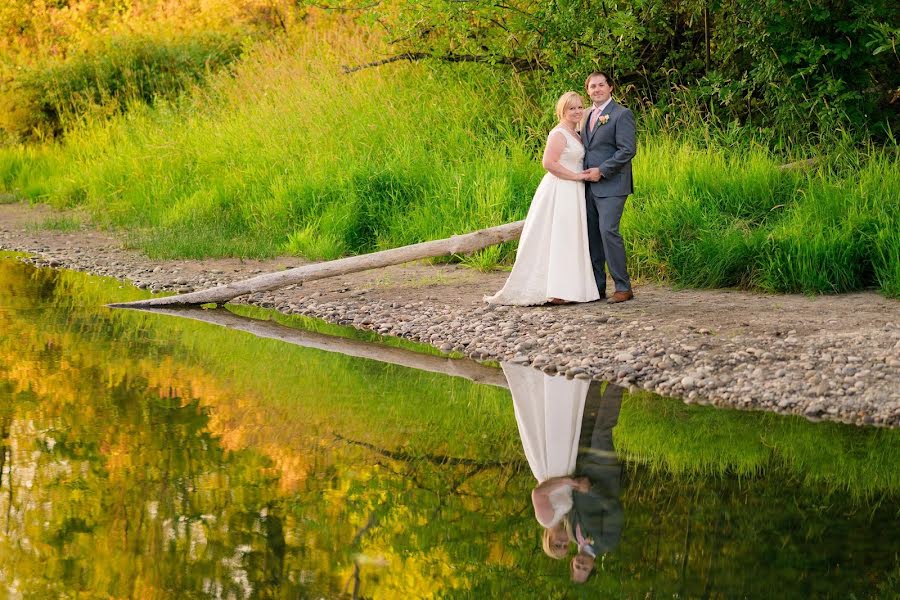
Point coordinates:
[[833, 358]]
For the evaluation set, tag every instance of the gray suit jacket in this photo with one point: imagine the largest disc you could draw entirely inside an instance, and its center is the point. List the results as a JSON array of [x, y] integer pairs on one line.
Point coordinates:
[[599, 511], [611, 147]]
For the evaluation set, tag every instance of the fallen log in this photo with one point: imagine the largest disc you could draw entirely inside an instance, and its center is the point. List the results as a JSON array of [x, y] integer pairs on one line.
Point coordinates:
[[458, 244], [466, 369]]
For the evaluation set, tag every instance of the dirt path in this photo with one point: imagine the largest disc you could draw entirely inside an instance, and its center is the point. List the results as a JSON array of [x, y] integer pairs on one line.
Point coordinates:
[[831, 357]]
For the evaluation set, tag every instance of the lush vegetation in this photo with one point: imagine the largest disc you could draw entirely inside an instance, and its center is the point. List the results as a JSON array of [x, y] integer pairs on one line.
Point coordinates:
[[63, 60], [285, 153], [43, 101], [146, 456], [792, 68]]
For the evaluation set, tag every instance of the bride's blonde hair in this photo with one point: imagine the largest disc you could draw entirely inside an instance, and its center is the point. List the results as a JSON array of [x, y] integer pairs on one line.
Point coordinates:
[[565, 101], [546, 539]]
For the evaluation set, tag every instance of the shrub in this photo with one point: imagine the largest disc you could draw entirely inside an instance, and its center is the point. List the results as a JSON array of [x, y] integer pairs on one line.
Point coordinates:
[[41, 101]]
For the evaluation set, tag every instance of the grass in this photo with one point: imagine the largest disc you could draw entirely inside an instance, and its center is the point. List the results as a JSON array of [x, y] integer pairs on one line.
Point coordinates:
[[285, 154], [733, 218], [697, 441], [61, 223], [47, 96]]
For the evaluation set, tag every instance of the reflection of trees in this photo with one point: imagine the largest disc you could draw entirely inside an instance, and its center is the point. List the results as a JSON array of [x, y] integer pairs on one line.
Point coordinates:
[[165, 459], [6, 418], [139, 508]]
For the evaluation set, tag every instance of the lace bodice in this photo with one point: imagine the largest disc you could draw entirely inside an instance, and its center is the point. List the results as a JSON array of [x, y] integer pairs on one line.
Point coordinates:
[[572, 157]]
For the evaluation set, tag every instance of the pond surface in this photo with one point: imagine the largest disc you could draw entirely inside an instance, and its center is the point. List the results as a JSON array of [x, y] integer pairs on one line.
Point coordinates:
[[150, 456]]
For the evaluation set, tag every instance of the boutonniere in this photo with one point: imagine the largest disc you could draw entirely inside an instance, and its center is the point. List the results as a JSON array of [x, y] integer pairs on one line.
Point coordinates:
[[603, 119]]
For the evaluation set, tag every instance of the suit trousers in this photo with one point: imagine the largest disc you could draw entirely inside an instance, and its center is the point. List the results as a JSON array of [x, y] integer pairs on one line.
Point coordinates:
[[604, 241]]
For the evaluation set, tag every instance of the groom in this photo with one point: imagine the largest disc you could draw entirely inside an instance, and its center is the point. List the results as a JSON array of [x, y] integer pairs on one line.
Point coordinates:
[[609, 142], [596, 520]]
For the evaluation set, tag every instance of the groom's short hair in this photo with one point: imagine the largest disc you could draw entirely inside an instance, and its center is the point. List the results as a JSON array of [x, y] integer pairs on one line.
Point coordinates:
[[598, 74]]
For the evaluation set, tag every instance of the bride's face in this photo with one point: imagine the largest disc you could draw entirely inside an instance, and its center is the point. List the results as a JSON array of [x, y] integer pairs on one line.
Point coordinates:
[[559, 541], [574, 113]]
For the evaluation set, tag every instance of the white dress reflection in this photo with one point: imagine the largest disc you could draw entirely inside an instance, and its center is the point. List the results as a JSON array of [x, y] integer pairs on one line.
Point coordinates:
[[549, 412]]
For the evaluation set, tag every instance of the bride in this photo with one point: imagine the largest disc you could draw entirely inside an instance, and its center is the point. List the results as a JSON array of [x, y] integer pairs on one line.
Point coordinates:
[[553, 263], [549, 411]]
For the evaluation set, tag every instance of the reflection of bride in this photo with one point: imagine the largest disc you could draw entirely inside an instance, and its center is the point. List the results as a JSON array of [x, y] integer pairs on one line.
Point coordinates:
[[548, 413]]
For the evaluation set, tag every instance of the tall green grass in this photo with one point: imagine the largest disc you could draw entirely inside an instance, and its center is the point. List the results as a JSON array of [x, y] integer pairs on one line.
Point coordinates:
[[286, 154], [290, 155], [717, 217]]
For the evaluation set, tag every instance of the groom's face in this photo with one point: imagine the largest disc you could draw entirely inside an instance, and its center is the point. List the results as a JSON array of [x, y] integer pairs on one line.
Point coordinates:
[[599, 90]]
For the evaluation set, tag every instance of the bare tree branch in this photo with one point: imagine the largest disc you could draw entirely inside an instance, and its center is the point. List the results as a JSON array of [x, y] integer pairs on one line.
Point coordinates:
[[519, 64], [342, 8]]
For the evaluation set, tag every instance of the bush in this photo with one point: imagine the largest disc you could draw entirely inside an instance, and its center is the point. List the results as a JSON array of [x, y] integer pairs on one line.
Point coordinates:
[[44, 99], [793, 69]]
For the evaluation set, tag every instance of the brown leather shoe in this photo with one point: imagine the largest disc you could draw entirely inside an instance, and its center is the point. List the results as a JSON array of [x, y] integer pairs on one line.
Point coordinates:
[[620, 297]]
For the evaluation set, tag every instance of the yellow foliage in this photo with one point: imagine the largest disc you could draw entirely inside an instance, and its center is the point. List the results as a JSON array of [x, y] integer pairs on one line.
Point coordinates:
[[32, 30]]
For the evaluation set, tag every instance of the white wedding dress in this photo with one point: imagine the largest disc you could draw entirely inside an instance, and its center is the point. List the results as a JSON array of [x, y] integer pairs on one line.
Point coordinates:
[[553, 259], [548, 412]]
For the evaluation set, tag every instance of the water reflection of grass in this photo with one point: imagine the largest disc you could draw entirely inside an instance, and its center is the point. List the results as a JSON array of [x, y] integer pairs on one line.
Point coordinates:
[[696, 441], [702, 441]]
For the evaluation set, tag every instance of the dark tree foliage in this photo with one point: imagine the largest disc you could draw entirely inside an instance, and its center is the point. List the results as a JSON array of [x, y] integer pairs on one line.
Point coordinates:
[[798, 67]]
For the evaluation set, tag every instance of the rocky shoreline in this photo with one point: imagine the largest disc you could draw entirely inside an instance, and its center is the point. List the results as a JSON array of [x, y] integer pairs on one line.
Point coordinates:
[[831, 358]]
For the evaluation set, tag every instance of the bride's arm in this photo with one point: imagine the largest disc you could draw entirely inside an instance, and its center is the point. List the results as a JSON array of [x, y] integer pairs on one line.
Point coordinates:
[[540, 495], [555, 482], [543, 510], [556, 143]]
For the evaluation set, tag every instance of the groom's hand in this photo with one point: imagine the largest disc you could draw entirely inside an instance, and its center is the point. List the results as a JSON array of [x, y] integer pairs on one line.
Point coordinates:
[[593, 174]]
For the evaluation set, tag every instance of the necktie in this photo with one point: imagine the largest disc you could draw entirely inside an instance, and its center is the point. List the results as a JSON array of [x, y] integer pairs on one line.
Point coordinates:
[[595, 114], [579, 536]]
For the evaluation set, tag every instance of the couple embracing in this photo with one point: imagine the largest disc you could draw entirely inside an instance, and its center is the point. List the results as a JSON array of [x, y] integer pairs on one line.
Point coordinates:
[[566, 427], [572, 229]]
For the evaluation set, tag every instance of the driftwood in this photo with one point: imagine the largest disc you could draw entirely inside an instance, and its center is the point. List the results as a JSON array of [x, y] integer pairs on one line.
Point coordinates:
[[458, 244], [467, 369]]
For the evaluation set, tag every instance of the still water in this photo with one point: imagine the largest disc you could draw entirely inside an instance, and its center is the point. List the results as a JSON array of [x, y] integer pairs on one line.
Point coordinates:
[[151, 456]]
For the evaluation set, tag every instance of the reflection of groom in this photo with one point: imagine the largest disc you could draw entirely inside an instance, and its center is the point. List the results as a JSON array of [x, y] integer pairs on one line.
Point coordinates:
[[609, 145], [596, 519]]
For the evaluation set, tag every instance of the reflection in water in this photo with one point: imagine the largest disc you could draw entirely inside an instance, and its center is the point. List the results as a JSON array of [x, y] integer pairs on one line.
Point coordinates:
[[595, 522], [144, 456], [549, 411], [566, 426]]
